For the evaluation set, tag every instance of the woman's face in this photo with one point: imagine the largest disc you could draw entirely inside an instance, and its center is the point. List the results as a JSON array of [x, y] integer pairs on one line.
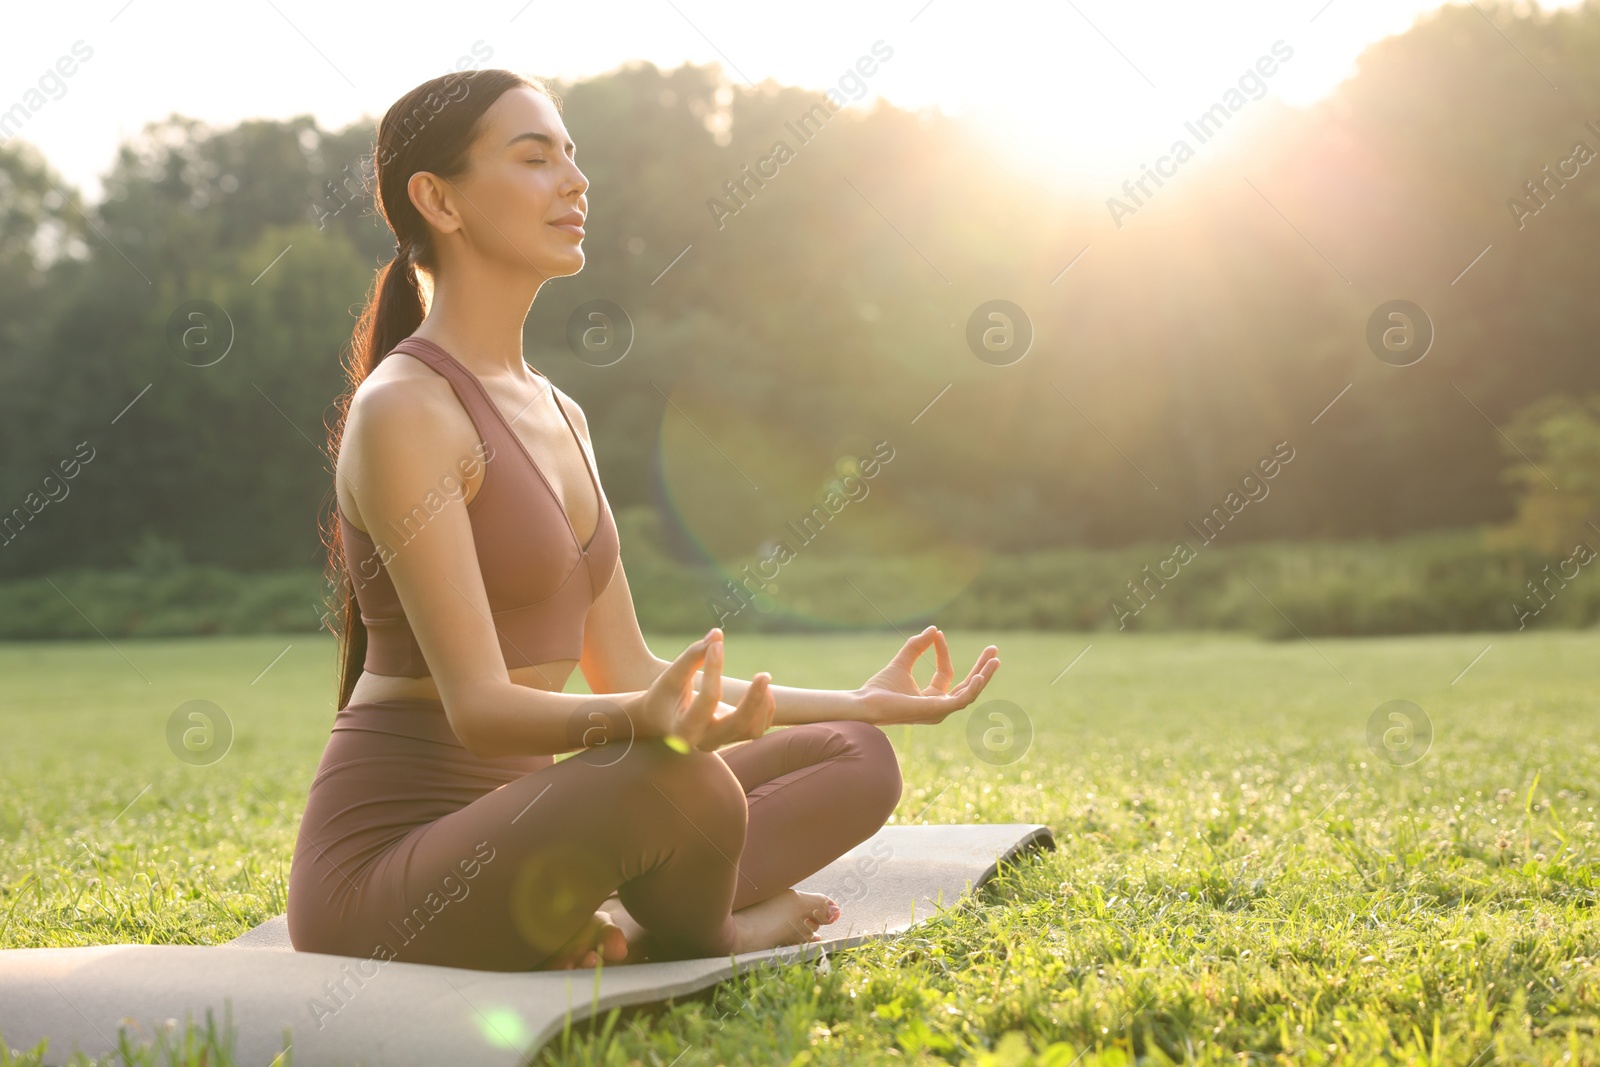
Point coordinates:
[[522, 200]]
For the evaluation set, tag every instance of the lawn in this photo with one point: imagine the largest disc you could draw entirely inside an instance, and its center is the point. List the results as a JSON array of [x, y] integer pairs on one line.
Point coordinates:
[[1242, 876]]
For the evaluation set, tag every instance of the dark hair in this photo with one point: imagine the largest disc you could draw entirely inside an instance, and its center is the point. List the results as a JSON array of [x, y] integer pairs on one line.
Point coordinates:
[[431, 128]]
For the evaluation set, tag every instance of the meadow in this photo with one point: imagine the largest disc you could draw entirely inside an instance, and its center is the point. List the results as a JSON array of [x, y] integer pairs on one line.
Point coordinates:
[[1247, 872]]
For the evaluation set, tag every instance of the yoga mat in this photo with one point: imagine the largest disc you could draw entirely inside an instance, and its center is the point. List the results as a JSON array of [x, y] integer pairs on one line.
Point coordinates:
[[349, 1010]]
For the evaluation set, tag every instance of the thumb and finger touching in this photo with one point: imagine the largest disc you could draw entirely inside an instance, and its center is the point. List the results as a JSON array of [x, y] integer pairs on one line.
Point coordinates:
[[703, 706], [681, 670], [943, 670]]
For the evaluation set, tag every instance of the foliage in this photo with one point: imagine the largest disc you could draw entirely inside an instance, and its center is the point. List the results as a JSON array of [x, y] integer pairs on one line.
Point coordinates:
[[1553, 447], [831, 308], [1445, 581]]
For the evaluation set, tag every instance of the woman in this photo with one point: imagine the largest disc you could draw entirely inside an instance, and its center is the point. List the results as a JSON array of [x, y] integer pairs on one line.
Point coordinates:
[[478, 564]]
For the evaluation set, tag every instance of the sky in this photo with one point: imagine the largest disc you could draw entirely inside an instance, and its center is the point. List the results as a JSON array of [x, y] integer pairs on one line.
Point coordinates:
[[1082, 90]]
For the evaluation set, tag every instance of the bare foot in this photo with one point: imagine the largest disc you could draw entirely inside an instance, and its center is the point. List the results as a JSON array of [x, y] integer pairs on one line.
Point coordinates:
[[639, 940], [790, 918], [600, 938]]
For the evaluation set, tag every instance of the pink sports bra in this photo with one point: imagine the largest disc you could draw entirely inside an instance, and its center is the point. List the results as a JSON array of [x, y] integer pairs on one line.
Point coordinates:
[[540, 580]]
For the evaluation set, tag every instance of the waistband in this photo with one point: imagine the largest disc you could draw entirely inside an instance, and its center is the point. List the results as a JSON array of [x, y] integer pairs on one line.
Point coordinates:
[[420, 718]]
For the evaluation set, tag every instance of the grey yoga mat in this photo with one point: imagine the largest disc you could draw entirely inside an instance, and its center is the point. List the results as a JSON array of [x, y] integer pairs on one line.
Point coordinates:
[[349, 1010]]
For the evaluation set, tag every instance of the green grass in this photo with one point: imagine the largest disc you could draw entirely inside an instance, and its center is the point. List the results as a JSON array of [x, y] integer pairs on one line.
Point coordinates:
[[1240, 877]]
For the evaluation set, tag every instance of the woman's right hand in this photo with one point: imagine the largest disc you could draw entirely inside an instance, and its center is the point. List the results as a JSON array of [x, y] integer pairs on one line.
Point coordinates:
[[671, 708]]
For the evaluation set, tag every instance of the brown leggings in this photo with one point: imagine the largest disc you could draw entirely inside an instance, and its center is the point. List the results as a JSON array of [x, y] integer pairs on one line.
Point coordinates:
[[411, 848]]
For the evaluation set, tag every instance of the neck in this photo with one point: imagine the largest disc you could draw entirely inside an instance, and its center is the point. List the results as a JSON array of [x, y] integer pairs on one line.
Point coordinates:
[[478, 317]]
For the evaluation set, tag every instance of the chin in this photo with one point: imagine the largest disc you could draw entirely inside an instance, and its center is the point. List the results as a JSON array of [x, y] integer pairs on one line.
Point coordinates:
[[560, 264], [571, 264]]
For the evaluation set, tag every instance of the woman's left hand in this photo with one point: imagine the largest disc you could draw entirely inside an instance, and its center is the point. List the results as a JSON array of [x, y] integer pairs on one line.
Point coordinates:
[[893, 696]]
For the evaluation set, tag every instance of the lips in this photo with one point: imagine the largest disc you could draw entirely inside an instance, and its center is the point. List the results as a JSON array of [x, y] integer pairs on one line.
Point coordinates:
[[572, 222]]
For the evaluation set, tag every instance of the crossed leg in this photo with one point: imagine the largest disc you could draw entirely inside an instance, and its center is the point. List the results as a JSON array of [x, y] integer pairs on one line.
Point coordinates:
[[681, 839], [813, 792], [504, 881]]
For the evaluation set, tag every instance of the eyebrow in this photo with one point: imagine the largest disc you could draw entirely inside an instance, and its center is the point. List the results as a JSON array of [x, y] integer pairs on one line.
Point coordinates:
[[543, 138]]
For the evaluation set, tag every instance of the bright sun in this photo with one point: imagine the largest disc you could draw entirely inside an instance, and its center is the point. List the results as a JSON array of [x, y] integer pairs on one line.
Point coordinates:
[[1091, 92]]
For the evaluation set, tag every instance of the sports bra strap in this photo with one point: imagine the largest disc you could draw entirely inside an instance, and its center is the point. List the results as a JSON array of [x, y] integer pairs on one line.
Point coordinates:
[[491, 425]]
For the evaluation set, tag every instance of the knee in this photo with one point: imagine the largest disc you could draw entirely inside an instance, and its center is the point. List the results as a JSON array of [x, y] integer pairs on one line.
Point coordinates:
[[880, 767], [697, 785]]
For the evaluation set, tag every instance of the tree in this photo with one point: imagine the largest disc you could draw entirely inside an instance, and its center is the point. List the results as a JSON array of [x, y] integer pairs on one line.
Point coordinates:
[[1554, 451]]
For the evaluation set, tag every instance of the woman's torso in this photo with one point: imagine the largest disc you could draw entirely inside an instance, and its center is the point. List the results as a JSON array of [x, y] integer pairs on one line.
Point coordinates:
[[530, 409]]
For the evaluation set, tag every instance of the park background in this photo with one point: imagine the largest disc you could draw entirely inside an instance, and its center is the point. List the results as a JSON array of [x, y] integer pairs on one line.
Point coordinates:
[[1259, 861], [1172, 350]]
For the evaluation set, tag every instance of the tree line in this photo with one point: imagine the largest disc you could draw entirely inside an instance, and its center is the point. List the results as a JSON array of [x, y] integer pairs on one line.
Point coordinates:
[[773, 342]]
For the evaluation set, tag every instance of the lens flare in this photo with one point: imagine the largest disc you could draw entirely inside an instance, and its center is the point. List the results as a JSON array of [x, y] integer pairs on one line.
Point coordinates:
[[800, 529]]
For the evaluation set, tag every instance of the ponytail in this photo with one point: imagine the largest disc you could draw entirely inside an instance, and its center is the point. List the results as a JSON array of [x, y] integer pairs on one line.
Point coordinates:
[[431, 128], [394, 311]]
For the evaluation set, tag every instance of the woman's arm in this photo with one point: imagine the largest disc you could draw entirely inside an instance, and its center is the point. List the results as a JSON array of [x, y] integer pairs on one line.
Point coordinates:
[[397, 447], [891, 696], [795, 705], [624, 673], [615, 659], [436, 574]]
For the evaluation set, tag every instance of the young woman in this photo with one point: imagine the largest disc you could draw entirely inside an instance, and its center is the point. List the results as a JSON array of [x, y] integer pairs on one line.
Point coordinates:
[[478, 565]]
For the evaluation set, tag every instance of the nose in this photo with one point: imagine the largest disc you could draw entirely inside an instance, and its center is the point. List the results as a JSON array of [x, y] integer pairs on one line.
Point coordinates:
[[577, 184]]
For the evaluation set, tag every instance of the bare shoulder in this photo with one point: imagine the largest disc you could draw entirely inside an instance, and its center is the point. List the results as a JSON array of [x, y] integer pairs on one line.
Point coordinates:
[[400, 380], [403, 415], [382, 394], [402, 459]]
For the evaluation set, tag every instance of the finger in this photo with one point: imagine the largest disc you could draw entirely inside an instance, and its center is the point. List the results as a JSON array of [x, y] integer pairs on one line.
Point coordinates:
[[711, 671], [759, 712], [930, 710], [699, 715], [971, 689], [961, 695], [981, 665], [968, 691], [768, 707], [984, 657], [749, 719], [913, 649], [943, 671], [745, 722], [681, 670]]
